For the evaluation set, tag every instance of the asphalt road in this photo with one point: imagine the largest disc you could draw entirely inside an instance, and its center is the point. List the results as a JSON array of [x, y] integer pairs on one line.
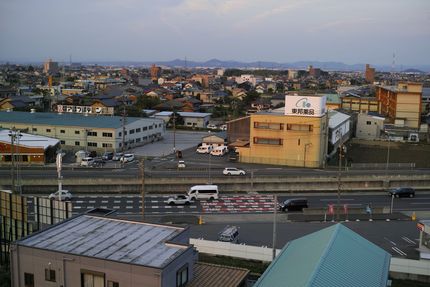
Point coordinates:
[[236, 204], [399, 238]]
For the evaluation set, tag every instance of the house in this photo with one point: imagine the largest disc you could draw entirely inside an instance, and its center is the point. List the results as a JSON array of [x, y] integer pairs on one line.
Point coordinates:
[[215, 140], [369, 126], [335, 256], [191, 119]]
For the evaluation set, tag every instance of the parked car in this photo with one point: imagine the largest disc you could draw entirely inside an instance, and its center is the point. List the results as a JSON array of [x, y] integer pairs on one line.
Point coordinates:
[[402, 192], [219, 151], [61, 195], [117, 156], [107, 155], [212, 127], [229, 234], [181, 164], [223, 127], [128, 157], [294, 204], [178, 200], [233, 171], [87, 161], [204, 149], [98, 162]]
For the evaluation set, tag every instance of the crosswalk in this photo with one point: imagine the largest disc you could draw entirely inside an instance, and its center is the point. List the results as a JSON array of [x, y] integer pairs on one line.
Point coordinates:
[[239, 203]]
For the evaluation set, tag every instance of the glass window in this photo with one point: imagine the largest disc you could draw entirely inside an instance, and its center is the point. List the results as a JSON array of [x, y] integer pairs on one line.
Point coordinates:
[[107, 145], [92, 279], [267, 141], [49, 275], [269, 126], [182, 276], [62, 131], [107, 135], [34, 129], [144, 128], [131, 132], [92, 144], [28, 280], [48, 130], [77, 143], [112, 284], [92, 134], [63, 142], [77, 132], [299, 127]]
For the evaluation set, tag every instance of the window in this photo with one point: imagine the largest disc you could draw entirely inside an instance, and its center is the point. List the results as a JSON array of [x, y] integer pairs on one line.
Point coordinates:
[[77, 143], [150, 127], [131, 132], [138, 130], [299, 127], [62, 142], [107, 135], [28, 280], [368, 123], [269, 126], [138, 140], [267, 141], [182, 276], [62, 131], [49, 275], [119, 134], [112, 284], [48, 130], [107, 145], [34, 129], [92, 134], [92, 279], [77, 132], [144, 128], [92, 144]]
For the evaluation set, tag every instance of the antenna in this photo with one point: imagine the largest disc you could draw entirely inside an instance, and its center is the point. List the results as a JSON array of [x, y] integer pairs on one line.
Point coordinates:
[[185, 62], [393, 65], [70, 60]]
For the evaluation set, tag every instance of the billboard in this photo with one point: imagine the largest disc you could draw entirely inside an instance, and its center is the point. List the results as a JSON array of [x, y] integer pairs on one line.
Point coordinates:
[[305, 106], [85, 110]]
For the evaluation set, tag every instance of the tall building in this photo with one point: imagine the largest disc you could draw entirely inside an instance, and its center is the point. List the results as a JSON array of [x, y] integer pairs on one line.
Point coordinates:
[[369, 74], [50, 67], [296, 136], [401, 103], [155, 72]]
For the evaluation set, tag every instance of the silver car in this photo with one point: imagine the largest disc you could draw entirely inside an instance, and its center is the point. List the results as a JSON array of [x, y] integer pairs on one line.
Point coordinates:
[[178, 200]]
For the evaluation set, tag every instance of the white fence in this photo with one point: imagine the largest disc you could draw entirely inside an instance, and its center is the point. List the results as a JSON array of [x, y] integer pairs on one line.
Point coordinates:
[[233, 250], [409, 266], [399, 265]]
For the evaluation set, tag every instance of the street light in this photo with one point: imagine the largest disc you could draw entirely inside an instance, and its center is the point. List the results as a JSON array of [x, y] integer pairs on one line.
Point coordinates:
[[387, 164], [15, 135], [341, 148]]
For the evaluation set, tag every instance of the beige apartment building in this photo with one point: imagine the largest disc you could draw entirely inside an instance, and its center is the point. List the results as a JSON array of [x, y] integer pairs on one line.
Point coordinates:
[[401, 103], [294, 136]]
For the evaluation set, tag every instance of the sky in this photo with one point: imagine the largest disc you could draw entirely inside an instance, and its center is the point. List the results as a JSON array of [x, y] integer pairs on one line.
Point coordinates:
[[349, 31]]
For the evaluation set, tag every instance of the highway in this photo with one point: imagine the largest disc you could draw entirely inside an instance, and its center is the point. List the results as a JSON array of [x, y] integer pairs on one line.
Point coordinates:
[[128, 204]]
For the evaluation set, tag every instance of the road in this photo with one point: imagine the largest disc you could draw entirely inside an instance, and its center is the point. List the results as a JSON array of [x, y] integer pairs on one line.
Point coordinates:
[[233, 204], [399, 238]]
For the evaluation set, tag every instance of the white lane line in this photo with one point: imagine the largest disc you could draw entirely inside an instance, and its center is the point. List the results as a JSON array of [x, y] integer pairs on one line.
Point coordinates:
[[408, 240], [390, 241], [105, 207], [129, 207], [342, 199], [117, 201], [91, 201], [76, 207], [129, 201], [420, 203], [398, 251], [79, 201], [105, 201], [116, 207]]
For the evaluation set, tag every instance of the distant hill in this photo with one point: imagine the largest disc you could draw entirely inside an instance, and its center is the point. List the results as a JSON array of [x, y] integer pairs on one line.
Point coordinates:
[[415, 71]]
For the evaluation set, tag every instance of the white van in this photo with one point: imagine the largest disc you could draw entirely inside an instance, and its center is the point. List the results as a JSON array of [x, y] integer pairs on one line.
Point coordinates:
[[219, 151], [204, 149], [203, 192]]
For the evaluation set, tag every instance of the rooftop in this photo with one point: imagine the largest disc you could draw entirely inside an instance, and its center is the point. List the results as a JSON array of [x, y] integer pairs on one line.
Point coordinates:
[[67, 119], [333, 256], [211, 275], [29, 140], [183, 114], [110, 239]]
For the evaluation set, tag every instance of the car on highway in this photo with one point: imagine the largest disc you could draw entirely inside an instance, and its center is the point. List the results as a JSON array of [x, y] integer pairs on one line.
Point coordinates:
[[229, 234], [107, 155], [61, 195], [117, 156], [181, 199], [294, 204], [233, 171], [98, 162], [128, 157], [87, 161], [181, 164], [402, 192]]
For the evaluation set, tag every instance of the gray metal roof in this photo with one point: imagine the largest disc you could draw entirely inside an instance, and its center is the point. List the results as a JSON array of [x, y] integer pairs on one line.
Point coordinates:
[[66, 119], [110, 239]]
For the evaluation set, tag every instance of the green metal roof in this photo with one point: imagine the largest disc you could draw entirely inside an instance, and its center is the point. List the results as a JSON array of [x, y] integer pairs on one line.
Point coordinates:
[[333, 256], [66, 119]]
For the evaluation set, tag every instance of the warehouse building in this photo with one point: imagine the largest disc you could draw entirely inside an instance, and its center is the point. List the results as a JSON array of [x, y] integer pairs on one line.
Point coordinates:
[[77, 131]]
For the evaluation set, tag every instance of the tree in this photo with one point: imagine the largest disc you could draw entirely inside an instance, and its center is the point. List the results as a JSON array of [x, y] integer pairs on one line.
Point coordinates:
[[175, 118]]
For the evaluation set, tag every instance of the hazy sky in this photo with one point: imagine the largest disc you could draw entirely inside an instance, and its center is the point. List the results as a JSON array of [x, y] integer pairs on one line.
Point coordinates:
[[351, 31]]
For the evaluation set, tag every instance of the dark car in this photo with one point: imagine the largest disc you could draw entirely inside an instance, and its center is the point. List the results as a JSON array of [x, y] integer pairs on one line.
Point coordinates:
[[98, 162], [294, 204], [107, 155], [402, 192]]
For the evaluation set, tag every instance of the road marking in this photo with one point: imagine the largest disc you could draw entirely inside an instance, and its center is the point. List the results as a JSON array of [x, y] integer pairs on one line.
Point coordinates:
[[77, 207], [105, 207], [91, 201], [105, 201], [342, 199], [398, 251], [116, 207], [419, 203], [408, 240], [117, 201], [129, 201], [79, 201], [390, 241], [129, 207]]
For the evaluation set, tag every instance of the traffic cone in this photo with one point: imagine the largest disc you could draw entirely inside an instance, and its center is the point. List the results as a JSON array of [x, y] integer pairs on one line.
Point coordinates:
[[200, 220], [414, 216]]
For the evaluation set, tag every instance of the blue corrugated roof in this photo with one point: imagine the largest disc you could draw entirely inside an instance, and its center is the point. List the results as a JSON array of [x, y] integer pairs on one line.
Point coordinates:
[[79, 120], [334, 256]]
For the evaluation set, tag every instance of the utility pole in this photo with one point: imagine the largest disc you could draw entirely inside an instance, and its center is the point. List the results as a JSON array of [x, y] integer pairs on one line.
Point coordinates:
[[142, 187], [339, 175], [174, 132], [275, 205], [123, 120], [12, 151]]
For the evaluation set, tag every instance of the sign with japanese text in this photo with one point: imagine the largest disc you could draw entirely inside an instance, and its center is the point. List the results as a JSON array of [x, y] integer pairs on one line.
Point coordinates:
[[305, 106]]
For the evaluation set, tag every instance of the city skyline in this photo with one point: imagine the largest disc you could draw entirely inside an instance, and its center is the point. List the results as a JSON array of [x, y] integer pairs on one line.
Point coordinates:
[[246, 31]]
